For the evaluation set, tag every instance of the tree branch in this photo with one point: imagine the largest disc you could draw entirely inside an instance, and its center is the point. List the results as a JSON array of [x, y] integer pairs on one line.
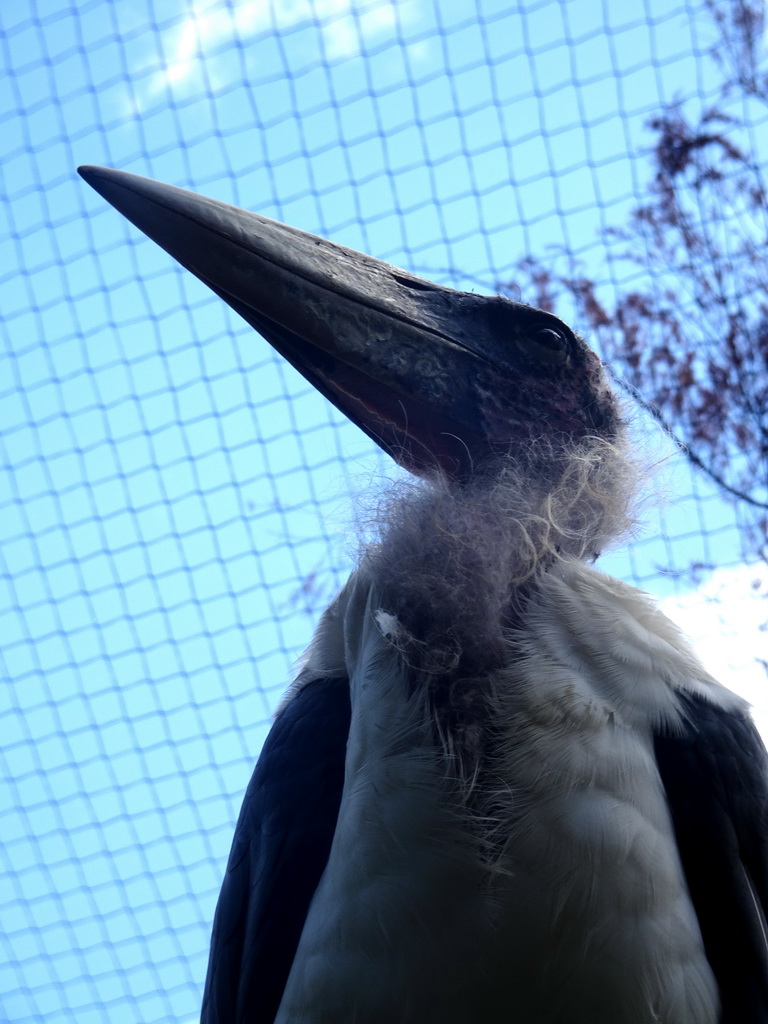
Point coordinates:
[[681, 445]]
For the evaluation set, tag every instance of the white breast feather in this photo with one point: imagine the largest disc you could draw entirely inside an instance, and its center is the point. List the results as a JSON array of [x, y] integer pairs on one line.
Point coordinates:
[[583, 915]]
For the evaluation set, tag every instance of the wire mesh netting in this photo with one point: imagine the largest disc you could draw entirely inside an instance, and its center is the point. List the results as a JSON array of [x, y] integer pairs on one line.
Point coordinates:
[[176, 503]]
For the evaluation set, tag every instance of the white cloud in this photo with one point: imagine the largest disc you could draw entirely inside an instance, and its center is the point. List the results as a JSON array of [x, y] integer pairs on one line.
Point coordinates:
[[346, 36], [344, 26], [725, 619]]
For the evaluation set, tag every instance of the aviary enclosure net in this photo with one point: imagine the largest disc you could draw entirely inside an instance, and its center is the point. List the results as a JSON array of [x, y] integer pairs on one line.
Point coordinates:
[[176, 504]]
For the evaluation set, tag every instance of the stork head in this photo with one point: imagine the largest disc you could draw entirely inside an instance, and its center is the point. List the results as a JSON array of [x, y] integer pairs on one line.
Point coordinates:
[[440, 379]]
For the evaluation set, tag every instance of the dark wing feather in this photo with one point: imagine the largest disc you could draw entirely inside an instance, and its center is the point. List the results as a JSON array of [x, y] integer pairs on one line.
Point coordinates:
[[279, 852], [716, 779]]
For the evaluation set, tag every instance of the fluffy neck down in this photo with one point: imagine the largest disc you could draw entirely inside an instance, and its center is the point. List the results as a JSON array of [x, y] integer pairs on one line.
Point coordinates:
[[456, 564]]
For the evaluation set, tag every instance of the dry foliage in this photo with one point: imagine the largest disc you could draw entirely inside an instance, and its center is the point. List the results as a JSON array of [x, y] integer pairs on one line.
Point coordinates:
[[692, 336]]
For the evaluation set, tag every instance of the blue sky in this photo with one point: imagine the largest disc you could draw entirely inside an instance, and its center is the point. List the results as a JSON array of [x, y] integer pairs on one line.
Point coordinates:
[[175, 502]]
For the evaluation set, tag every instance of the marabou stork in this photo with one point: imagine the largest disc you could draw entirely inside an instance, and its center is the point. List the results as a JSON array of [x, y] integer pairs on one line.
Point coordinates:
[[502, 788]]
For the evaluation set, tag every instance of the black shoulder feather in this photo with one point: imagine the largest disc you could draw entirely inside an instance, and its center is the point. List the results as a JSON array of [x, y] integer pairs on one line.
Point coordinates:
[[279, 852], [715, 773]]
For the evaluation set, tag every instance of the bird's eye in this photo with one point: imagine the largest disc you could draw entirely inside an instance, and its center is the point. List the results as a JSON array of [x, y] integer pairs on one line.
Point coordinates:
[[550, 345]]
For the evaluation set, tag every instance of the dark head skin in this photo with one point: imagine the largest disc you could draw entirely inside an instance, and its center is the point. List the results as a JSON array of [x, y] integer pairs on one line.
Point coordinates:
[[440, 379]]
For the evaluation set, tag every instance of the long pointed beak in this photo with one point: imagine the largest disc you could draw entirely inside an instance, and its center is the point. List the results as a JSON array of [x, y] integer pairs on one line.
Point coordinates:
[[417, 366]]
